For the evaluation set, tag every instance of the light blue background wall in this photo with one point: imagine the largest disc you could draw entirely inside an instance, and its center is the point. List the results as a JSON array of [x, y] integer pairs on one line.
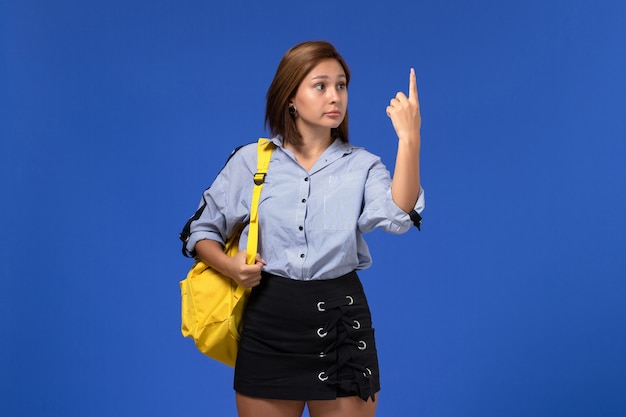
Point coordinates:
[[115, 115]]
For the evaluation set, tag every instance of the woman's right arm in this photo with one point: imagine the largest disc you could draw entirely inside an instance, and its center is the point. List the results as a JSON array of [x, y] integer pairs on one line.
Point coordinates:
[[212, 253]]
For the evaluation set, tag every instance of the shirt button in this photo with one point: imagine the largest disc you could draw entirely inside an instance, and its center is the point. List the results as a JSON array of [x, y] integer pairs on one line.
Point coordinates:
[[304, 200], [300, 228], [302, 255], [306, 179]]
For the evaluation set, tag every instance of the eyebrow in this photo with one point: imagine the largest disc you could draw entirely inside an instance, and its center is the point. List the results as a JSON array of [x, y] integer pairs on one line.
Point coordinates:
[[325, 77]]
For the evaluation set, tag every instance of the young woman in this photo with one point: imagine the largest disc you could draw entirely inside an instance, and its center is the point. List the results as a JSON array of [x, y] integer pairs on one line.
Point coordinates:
[[307, 338]]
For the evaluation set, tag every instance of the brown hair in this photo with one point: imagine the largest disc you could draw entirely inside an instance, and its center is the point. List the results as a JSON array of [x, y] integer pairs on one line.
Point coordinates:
[[293, 67]]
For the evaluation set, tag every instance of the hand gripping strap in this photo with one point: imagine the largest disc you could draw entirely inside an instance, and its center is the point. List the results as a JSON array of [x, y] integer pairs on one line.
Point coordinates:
[[264, 153]]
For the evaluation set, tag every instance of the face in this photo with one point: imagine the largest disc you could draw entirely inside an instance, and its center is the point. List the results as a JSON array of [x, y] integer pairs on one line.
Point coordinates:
[[321, 99]]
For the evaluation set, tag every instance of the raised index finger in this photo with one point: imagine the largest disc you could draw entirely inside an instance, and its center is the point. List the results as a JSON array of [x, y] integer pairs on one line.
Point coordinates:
[[412, 86]]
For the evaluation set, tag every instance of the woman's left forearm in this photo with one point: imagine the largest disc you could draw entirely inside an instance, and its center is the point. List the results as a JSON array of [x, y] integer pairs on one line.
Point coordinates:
[[405, 186]]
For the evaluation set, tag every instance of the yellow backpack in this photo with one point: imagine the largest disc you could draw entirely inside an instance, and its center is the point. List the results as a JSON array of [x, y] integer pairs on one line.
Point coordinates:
[[212, 303]]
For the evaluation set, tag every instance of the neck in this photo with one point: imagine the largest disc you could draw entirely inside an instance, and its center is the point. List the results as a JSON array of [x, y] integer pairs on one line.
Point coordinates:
[[314, 141], [313, 146]]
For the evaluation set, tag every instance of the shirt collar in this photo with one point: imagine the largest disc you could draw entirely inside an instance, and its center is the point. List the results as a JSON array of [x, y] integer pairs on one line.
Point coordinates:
[[335, 151]]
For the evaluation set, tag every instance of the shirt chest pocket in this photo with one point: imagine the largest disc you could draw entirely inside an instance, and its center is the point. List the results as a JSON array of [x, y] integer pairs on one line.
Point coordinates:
[[343, 201]]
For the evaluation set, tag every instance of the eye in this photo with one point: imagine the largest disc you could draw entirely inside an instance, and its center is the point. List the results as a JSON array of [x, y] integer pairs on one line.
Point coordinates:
[[320, 87], [341, 86]]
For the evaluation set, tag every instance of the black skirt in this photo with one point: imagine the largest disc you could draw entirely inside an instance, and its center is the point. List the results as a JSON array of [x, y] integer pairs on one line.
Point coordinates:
[[307, 340]]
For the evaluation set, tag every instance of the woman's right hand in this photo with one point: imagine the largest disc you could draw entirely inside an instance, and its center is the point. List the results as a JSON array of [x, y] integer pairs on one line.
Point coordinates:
[[212, 254], [246, 275]]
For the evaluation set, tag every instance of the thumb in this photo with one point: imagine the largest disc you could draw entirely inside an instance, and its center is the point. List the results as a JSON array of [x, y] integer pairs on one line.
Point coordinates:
[[259, 259]]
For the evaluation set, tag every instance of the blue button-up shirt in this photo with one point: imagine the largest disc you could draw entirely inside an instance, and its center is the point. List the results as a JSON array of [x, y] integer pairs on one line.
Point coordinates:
[[311, 224]]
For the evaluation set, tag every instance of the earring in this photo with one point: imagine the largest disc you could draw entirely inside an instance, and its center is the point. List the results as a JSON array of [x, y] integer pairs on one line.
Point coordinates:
[[292, 109]]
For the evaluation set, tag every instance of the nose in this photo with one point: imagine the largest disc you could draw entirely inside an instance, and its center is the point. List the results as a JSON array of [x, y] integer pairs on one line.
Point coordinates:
[[333, 95]]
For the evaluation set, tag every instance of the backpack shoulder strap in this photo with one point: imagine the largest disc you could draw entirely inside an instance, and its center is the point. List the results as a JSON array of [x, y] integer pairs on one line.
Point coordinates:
[[264, 153]]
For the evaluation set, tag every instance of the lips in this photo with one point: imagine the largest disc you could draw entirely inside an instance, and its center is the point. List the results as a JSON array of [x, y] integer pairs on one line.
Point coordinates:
[[333, 113]]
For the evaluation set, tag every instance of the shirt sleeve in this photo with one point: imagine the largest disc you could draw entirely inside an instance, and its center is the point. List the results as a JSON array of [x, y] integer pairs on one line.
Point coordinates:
[[379, 209], [226, 201]]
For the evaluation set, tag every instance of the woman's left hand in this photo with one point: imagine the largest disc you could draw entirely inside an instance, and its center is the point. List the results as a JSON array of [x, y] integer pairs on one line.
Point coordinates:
[[404, 113]]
